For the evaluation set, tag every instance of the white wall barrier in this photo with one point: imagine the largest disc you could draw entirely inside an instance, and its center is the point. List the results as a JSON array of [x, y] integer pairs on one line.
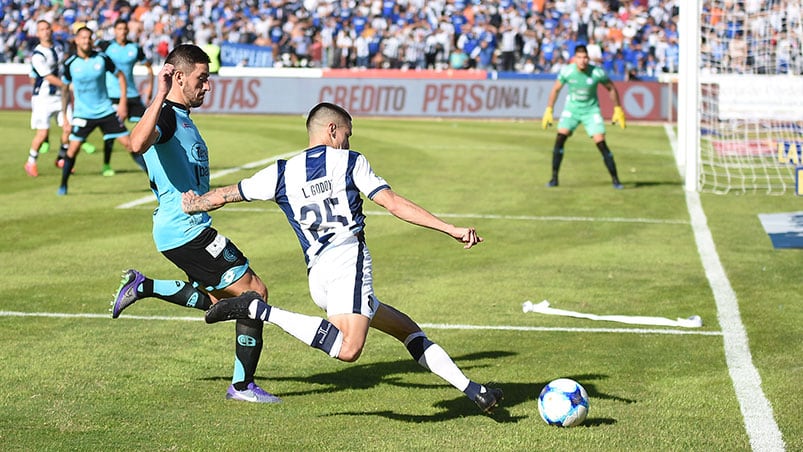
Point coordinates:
[[391, 93]]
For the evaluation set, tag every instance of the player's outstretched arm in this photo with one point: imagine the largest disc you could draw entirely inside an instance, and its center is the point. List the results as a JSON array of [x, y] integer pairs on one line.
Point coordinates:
[[193, 203], [411, 212]]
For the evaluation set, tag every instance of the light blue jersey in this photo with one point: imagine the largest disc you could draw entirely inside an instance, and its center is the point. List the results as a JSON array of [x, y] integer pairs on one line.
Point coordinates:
[[177, 162], [124, 57], [89, 85], [319, 192]]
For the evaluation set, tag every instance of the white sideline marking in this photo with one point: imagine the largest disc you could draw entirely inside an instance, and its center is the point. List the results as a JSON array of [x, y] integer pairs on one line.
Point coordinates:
[[434, 326], [221, 173], [384, 213], [151, 198], [759, 420]]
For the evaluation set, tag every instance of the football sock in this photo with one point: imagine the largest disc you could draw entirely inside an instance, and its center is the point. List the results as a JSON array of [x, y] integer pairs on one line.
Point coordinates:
[[177, 292], [557, 154], [607, 157], [63, 150], [247, 349], [69, 163], [108, 146], [435, 359], [33, 154], [313, 331]]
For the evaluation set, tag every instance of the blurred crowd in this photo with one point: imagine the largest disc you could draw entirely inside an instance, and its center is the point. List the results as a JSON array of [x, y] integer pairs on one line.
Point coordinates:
[[632, 39]]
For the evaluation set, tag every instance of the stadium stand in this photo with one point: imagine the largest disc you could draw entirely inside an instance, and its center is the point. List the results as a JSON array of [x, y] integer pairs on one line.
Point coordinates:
[[632, 39]]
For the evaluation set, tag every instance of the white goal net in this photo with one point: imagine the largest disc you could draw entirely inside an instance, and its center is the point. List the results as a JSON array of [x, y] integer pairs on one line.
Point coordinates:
[[750, 88]]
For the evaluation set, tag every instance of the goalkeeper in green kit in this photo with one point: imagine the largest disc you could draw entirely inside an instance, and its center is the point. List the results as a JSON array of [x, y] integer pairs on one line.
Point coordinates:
[[582, 107]]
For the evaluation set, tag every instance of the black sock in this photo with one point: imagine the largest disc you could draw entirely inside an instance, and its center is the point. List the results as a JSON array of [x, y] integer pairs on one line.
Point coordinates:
[[247, 350], [69, 163], [557, 154], [177, 292], [108, 146], [607, 157]]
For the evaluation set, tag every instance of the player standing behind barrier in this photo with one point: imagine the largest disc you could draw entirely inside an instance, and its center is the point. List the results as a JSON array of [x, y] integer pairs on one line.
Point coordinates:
[[47, 98], [582, 107], [177, 160], [319, 191], [125, 54], [93, 108]]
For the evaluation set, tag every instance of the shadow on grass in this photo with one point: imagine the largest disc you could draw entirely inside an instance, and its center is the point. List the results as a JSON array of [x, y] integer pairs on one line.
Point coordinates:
[[643, 184], [367, 376]]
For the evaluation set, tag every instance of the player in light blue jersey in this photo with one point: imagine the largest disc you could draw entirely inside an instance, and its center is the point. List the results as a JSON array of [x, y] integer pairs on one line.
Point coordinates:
[[319, 192], [125, 54], [86, 73], [582, 107], [178, 160]]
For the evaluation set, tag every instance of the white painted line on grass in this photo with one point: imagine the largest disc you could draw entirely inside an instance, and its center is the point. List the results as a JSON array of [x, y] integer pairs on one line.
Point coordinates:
[[759, 419], [434, 326], [151, 198], [475, 216]]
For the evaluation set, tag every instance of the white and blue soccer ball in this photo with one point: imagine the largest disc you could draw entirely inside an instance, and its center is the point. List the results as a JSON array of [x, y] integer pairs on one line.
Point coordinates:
[[563, 402]]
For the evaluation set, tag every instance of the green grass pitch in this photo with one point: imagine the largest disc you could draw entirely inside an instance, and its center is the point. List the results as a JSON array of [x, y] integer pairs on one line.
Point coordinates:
[[74, 379]]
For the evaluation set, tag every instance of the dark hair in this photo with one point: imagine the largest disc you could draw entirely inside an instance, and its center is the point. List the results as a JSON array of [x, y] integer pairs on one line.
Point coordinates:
[[120, 21], [581, 49], [327, 109], [186, 56], [84, 28]]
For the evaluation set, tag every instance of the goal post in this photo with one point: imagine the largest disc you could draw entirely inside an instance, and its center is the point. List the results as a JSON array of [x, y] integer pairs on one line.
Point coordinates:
[[740, 98]]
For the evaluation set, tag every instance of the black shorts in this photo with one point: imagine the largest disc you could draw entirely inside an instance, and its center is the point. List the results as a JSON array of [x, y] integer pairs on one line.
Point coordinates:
[[211, 260], [135, 107], [110, 125]]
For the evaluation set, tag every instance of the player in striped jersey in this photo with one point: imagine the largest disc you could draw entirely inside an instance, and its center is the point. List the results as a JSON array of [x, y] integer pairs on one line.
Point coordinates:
[[47, 95], [319, 192]]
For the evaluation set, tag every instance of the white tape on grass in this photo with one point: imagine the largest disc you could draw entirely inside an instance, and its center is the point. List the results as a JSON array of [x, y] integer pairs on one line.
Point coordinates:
[[544, 308]]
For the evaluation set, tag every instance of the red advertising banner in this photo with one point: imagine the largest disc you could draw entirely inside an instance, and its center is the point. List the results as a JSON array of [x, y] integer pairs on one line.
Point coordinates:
[[390, 96]]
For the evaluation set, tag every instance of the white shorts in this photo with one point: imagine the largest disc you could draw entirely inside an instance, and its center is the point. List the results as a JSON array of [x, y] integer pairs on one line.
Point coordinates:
[[341, 280], [43, 108]]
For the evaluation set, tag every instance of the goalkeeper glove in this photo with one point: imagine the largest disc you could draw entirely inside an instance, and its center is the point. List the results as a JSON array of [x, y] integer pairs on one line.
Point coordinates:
[[618, 116], [547, 120]]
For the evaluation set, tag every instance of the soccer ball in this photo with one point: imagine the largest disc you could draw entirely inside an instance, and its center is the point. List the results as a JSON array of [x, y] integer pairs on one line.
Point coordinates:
[[563, 402]]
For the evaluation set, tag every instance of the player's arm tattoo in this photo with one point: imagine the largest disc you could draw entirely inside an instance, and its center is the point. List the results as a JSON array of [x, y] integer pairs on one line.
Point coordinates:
[[192, 203]]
